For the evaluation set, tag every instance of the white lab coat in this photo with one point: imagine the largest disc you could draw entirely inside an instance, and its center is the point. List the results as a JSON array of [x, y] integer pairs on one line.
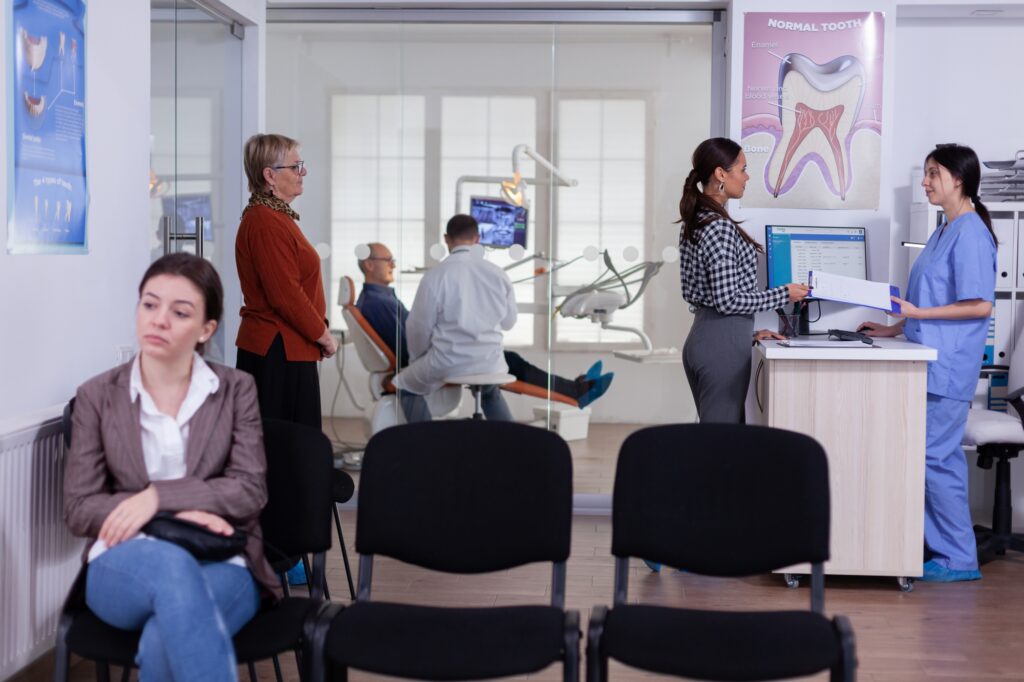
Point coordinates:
[[456, 322]]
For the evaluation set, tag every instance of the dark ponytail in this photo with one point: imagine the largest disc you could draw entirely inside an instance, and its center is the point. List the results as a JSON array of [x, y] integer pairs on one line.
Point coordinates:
[[962, 163], [716, 152]]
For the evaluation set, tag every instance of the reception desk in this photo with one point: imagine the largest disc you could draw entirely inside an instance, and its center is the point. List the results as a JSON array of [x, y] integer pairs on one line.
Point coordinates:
[[866, 406]]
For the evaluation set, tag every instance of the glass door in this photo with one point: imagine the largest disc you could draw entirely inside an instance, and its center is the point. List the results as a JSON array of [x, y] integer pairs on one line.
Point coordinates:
[[195, 146]]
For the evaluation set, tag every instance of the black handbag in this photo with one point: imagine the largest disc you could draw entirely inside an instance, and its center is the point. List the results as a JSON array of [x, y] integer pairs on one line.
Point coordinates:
[[200, 542]]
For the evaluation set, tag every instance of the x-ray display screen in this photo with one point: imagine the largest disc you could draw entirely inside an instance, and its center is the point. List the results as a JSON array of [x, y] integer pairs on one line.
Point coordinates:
[[501, 224]]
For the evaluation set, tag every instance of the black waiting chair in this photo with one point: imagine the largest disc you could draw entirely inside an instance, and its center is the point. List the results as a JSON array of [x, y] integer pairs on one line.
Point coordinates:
[[999, 437], [342, 490], [294, 522], [462, 497], [720, 500]]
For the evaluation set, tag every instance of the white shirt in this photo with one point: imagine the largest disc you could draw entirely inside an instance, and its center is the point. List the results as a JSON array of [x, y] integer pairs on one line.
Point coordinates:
[[456, 322], [165, 438]]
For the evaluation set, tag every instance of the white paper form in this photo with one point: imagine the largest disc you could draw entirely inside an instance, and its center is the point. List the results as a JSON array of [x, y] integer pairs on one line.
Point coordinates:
[[843, 289]]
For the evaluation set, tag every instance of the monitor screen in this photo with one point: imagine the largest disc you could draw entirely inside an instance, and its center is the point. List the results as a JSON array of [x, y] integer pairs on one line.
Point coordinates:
[[793, 251], [501, 224]]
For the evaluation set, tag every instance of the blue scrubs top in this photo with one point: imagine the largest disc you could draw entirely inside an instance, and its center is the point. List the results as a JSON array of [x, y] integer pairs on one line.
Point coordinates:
[[957, 264]]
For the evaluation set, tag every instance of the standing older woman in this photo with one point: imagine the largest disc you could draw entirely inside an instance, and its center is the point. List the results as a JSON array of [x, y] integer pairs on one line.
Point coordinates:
[[170, 432], [284, 329], [718, 271]]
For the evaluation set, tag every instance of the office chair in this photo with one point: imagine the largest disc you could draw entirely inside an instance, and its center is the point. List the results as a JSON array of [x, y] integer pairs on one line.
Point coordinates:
[[460, 497], [294, 522], [720, 500], [999, 436]]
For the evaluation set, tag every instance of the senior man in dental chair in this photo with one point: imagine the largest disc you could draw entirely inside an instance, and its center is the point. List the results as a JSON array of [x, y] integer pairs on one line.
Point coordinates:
[[390, 319]]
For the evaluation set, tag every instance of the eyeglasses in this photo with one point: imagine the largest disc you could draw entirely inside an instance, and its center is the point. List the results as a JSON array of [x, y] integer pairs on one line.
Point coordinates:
[[389, 261], [298, 167]]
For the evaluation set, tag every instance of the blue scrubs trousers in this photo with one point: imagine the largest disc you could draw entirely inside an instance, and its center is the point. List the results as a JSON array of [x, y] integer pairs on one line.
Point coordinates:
[[948, 532]]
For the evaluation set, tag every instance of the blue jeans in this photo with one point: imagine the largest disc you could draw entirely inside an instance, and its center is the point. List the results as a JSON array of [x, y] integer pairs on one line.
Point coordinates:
[[187, 610], [492, 404]]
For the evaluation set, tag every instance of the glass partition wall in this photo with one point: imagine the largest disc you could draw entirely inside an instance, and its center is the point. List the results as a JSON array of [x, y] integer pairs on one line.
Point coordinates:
[[404, 124], [195, 124]]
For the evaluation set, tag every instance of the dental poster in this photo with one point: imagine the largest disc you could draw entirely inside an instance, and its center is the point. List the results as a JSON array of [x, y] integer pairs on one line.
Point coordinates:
[[46, 101], [812, 109]]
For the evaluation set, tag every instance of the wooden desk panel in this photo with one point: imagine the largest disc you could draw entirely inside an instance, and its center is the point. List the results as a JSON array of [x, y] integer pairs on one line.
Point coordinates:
[[870, 418]]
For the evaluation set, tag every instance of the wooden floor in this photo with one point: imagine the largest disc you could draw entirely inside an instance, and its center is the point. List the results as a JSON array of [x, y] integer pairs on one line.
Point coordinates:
[[965, 631]]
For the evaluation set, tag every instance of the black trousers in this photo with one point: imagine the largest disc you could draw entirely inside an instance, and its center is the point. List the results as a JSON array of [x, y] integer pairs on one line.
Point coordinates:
[[531, 374], [287, 390]]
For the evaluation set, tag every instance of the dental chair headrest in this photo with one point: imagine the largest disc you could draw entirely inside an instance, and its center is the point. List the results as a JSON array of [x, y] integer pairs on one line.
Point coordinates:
[[346, 291]]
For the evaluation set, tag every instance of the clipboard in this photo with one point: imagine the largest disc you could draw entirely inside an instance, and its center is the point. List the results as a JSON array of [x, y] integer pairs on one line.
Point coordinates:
[[862, 292]]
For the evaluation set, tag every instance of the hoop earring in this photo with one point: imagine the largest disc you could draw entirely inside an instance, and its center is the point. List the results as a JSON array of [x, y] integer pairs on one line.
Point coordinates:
[[721, 188]]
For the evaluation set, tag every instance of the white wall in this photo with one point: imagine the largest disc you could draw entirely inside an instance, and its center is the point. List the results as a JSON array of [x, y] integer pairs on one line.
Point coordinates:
[[63, 316], [306, 66], [970, 93]]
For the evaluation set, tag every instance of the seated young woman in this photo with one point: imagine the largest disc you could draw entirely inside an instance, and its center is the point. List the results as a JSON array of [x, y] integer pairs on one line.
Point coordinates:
[[169, 432]]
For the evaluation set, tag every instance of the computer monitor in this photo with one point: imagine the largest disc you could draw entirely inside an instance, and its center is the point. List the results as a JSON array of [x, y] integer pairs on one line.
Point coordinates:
[[792, 251], [501, 224]]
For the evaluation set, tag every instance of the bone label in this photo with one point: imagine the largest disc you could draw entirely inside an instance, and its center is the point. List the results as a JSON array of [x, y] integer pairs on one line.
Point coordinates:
[[812, 109]]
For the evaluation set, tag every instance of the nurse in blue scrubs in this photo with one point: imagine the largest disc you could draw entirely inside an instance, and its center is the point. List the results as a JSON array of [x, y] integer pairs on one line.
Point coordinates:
[[949, 302]]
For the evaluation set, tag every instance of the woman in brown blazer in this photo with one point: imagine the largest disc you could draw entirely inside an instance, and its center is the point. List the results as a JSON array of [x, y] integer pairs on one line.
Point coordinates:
[[168, 432], [284, 329]]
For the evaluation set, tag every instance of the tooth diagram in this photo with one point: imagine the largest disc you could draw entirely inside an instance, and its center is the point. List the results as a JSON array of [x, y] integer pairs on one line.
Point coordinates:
[[817, 98], [35, 105], [34, 48]]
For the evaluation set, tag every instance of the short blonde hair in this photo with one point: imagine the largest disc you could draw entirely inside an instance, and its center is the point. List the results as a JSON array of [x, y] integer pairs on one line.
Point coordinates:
[[264, 151]]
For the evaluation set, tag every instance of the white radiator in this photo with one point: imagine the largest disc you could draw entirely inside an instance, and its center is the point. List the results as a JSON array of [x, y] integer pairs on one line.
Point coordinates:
[[38, 556]]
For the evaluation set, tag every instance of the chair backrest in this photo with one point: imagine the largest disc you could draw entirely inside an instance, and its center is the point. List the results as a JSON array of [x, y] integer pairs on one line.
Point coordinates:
[[465, 496], [1015, 380], [300, 465], [65, 422], [721, 499], [375, 355]]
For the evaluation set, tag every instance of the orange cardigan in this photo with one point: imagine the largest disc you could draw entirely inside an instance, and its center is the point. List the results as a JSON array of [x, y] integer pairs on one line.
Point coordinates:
[[282, 290]]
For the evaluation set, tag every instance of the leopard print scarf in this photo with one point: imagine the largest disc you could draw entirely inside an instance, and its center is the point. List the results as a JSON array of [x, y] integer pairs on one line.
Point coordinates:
[[272, 202]]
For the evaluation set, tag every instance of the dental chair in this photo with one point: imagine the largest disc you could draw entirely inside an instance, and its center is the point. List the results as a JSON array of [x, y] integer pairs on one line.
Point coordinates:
[[380, 362]]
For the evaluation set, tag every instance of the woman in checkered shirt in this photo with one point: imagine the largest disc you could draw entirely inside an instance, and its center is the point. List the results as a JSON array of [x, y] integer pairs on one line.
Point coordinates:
[[718, 272]]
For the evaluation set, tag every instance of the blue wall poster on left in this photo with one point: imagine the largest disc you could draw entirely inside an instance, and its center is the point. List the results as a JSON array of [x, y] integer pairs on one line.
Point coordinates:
[[47, 192]]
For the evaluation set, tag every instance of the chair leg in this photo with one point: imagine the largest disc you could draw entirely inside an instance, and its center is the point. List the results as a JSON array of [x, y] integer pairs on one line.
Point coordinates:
[[344, 552], [277, 669], [102, 671], [597, 661], [571, 664], [126, 673], [846, 669], [62, 665], [252, 671], [309, 578]]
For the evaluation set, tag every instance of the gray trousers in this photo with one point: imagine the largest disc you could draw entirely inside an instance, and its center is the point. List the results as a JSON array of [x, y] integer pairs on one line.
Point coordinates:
[[716, 358]]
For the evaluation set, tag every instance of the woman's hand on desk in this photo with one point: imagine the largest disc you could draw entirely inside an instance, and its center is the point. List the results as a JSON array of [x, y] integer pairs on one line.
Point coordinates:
[[763, 334], [878, 329]]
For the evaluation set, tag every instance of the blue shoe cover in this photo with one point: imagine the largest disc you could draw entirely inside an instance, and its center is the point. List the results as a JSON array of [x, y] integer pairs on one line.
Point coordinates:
[[594, 372], [654, 566], [296, 574], [597, 389], [935, 572]]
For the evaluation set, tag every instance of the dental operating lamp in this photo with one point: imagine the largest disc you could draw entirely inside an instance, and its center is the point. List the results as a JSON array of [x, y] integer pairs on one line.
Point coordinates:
[[514, 190]]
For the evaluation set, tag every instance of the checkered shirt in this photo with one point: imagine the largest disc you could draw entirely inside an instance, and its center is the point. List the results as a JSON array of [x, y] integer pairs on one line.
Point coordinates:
[[720, 272]]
